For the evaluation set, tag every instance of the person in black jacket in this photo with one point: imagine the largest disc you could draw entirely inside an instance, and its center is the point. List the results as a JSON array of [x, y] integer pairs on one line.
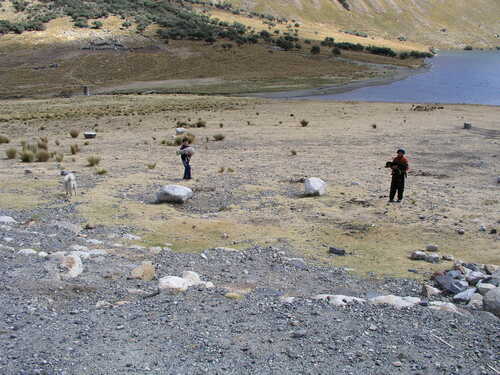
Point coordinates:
[[399, 167], [186, 151]]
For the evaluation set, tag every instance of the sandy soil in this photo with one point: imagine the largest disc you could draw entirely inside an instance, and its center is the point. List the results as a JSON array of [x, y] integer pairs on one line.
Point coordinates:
[[245, 186]]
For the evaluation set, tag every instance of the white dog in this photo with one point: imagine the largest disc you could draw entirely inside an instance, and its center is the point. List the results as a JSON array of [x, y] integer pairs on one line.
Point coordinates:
[[69, 183]]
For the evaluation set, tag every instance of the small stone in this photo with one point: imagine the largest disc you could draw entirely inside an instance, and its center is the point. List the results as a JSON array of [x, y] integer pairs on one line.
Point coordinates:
[[338, 299], [79, 248], [131, 237], [482, 228], [493, 231], [397, 364], [102, 305], [429, 291], [432, 248], [89, 226], [372, 327], [314, 186], [43, 254], [460, 231], [94, 242], [474, 277], [491, 268], [449, 258], [286, 299], [336, 251], [203, 256], [455, 274], [467, 125], [27, 252], [225, 236], [433, 258], [418, 255], [299, 334], [146, 271]]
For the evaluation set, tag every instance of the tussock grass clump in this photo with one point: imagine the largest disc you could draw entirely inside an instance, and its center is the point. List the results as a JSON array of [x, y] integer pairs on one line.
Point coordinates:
[[42, 156], [30, 147], [74, 149], [42, 145], [293, 152], [201, 123], [11, 153], [151, 165], [4, 139], [57, 143], [230, 170], [222, 169], [304, 123], [74, 133], [190, 137], [101, 171], [93, 160], [27, 156], [221, 125], [219, 137], [59, 157]]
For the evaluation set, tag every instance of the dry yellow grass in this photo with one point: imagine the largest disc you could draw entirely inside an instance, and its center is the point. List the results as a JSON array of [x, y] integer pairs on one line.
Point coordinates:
[[257, 203]]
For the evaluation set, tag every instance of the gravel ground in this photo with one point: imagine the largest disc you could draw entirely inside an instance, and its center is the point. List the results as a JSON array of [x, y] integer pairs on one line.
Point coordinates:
[[54, 326]]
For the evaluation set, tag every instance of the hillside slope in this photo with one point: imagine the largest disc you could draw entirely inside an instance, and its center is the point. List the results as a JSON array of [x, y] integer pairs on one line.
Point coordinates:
[[441, 23]]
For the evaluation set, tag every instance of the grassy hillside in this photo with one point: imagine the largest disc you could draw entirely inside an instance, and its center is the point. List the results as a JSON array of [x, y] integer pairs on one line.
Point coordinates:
[[440, 23]]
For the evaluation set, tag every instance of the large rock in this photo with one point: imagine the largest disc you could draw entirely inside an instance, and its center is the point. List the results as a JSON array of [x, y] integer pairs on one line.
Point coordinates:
[[444, 306], [464, 296], [174, 284], [451, 285], [484, 288], [418, 255], [474, 277], [314, 186], [146, 271], [429, 291], [73, 264], [7, 220], [476, 301], [396, 301], [174, 194], [491, 301], [338, 299]]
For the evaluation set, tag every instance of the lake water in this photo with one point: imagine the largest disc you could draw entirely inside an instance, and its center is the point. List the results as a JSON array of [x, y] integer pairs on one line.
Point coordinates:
[[471, 77]]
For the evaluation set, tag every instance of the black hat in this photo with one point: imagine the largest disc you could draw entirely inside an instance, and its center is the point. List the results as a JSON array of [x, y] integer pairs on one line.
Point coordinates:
[[402, 151]]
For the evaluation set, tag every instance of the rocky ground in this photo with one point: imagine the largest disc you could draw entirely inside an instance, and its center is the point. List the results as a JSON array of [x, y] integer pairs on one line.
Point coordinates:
[[266, 312]]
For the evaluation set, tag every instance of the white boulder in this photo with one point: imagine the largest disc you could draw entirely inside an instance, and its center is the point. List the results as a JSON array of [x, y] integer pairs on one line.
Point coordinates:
[[73, 263], [314, 186], [338, 299], [7, 220], [174, 194], [491, 301], [174, 284], [179, 131], [27, 252], [396, 301]]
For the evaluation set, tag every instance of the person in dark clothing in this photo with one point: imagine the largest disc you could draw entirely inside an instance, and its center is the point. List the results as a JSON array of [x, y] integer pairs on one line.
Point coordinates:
[[186, 151], [399, 167]]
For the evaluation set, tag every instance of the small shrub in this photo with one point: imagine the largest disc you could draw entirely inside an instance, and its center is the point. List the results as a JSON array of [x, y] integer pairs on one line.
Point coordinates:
[[74, 133], [221, 170], [86, 143], [27, 156], [315, 50], [151, 165], [59, 157], [93, 160], [190, 137], [74, 149], [219, 137], [201, 124], [230, 170], [221, 125], [4, 139], [163, 142], [293, 152], [42, 145], [336, 51], [468, 48], [101, 171], [42, 156], [11, 153], [31, 147], [304, 123]]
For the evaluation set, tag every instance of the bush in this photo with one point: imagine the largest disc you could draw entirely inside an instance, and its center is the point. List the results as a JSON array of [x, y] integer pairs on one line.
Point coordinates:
[[101, 171], [27, 156], [315, 50], [42, 156], [4, 139], [382, 51], [93, 160], [151, 165], [350, 46], [468, 48], [219, 137], [336, 51], [59, 157], [304, 123], [293, 152], [74, 133], [74, 149], [97, 25], [11, 153], [328, 42], [201, 124], [42, 145], [189, 136]]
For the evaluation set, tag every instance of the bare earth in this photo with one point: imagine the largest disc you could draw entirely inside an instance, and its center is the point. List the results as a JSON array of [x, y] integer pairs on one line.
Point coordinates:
[[246, 189]]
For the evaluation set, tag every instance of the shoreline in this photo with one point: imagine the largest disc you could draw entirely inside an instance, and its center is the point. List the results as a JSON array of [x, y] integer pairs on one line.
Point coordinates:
[[399, 74]]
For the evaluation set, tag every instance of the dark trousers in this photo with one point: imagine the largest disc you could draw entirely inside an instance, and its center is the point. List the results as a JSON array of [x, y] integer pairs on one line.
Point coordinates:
[[187, 169], [397, 185]]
